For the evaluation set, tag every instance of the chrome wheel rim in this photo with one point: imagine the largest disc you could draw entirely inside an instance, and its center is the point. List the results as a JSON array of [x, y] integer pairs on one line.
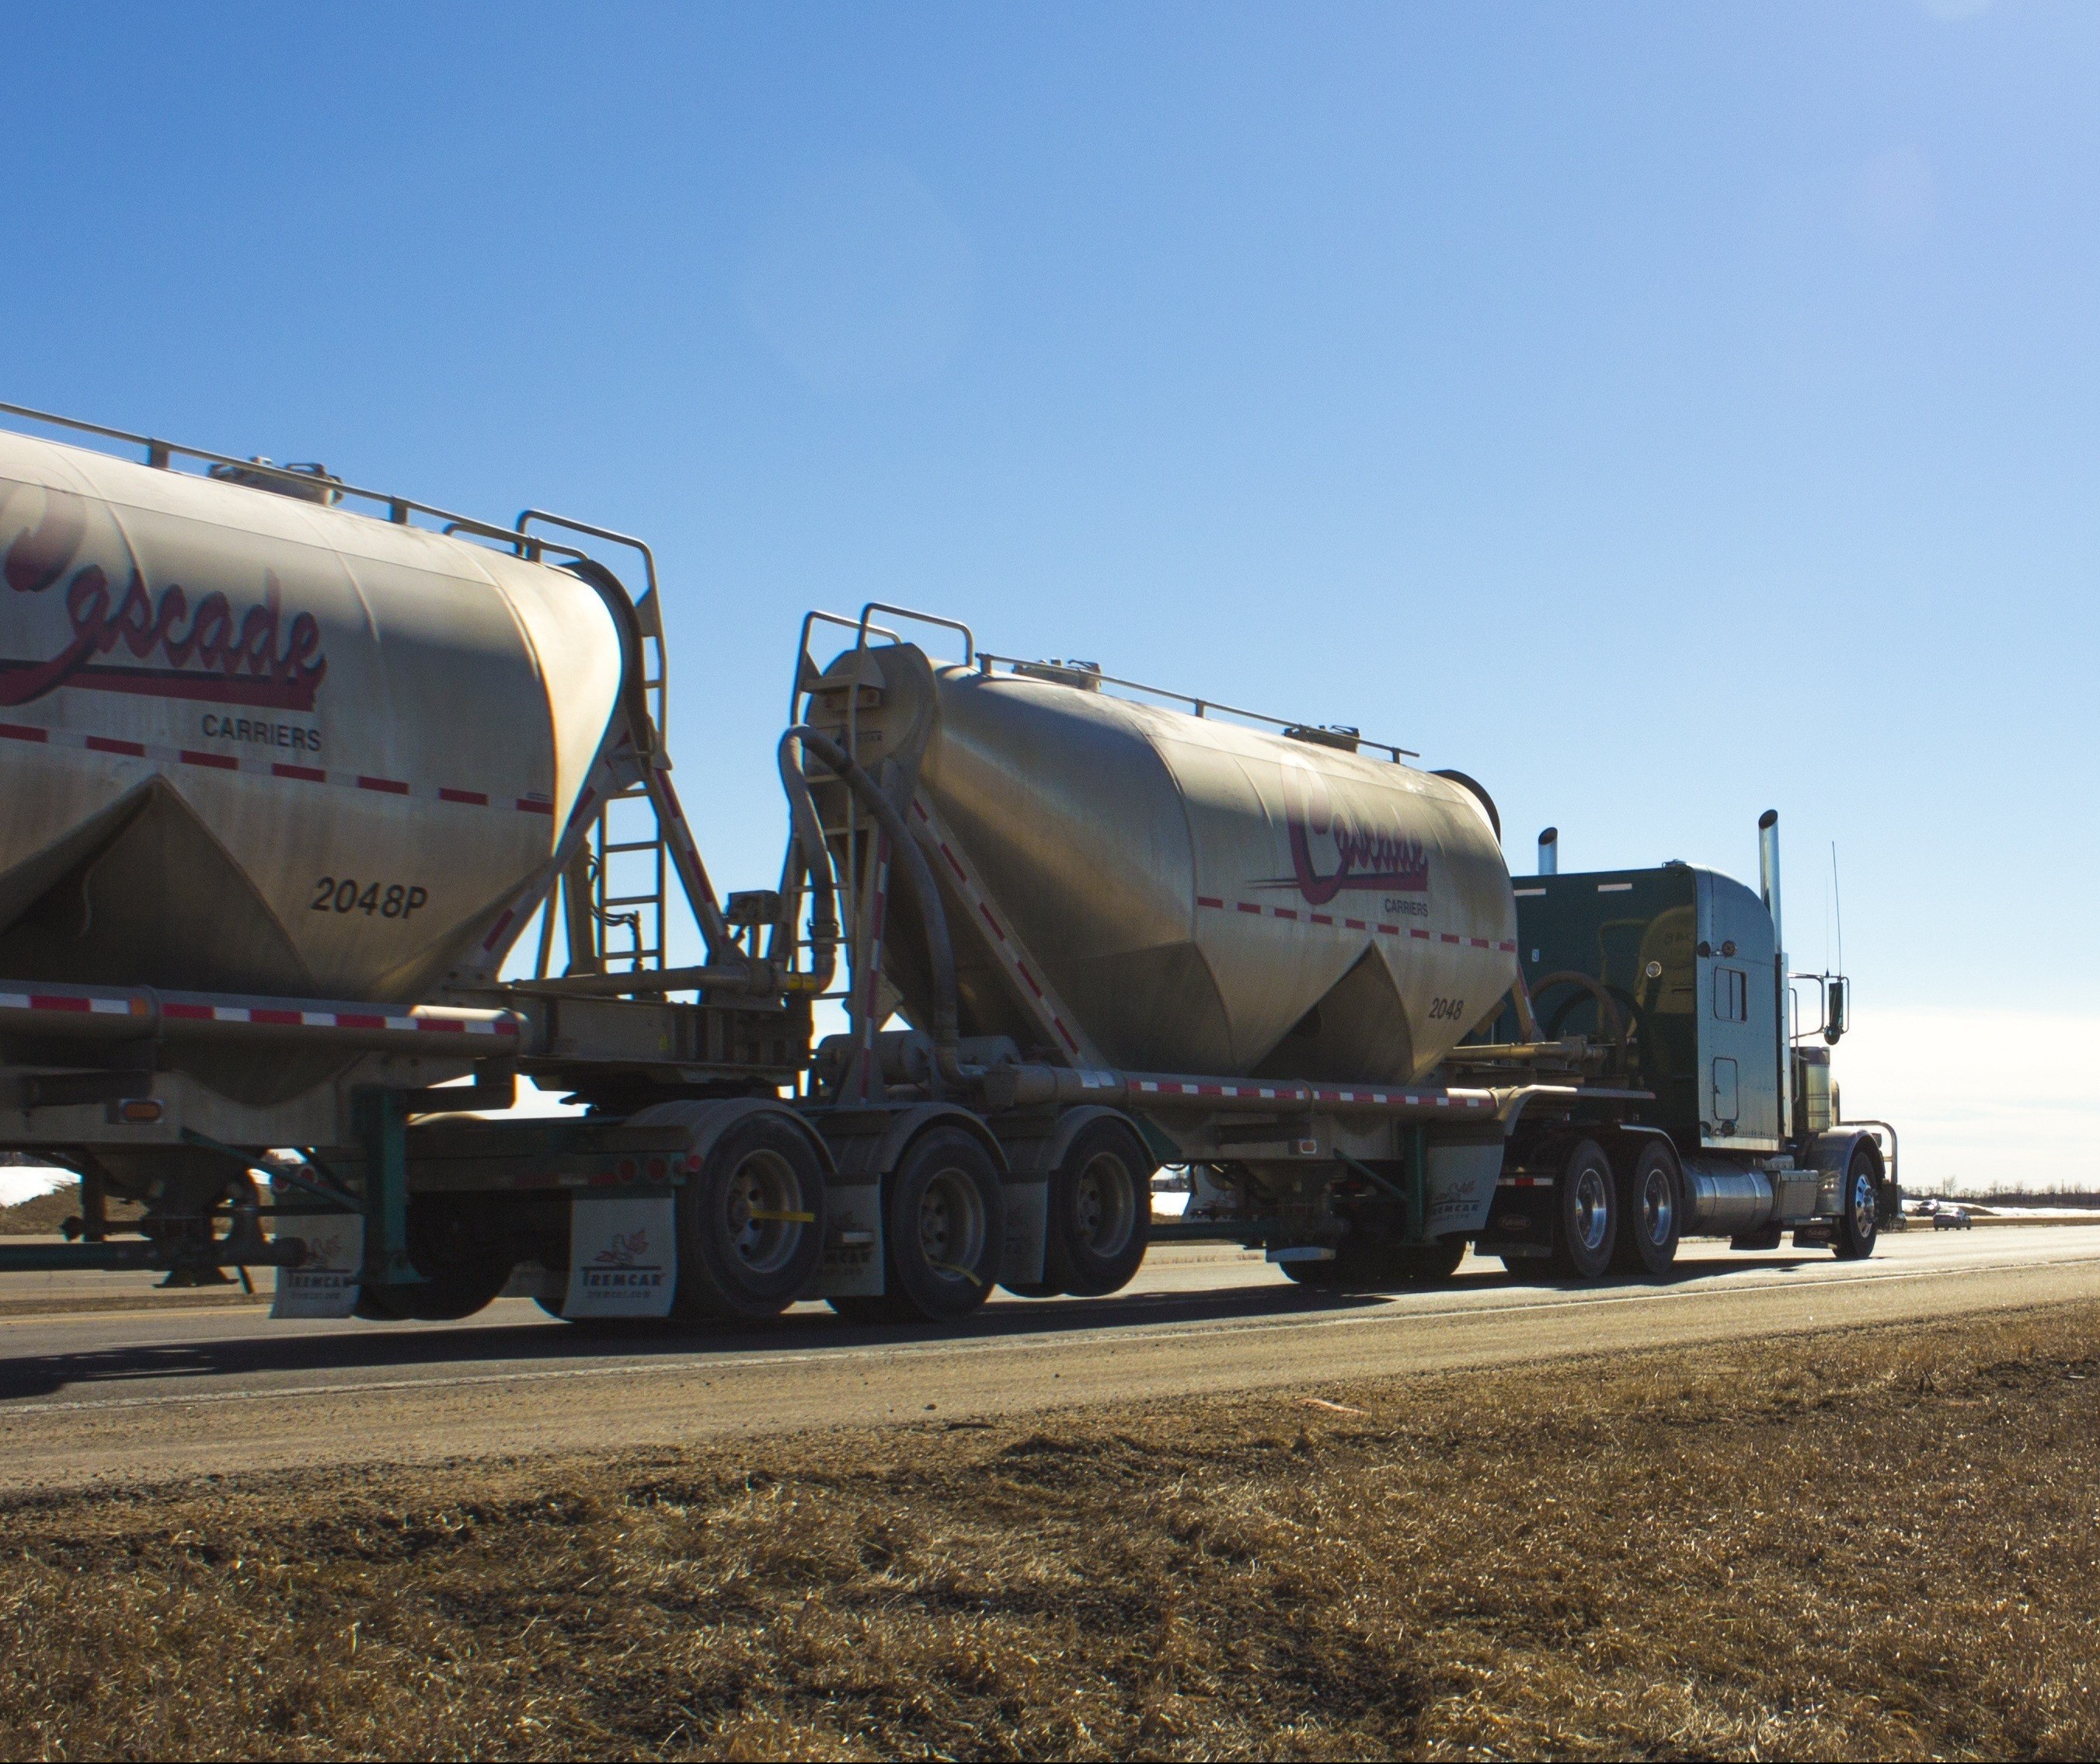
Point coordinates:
[[761, 1192], [1593, 1207], [951, 1225], [1104, 1208], [1658, 1207], [1866, 1206]]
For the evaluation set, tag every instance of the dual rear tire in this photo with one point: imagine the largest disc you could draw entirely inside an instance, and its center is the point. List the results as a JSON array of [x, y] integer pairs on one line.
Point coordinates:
[[944, 1233], [1617, 1221]]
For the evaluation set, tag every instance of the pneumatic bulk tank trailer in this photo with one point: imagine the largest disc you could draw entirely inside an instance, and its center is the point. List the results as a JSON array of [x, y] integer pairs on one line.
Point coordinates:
[[297, 773]]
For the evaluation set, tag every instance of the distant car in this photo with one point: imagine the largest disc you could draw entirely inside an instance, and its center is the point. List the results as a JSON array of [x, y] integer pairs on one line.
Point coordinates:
[[1951, 1219]]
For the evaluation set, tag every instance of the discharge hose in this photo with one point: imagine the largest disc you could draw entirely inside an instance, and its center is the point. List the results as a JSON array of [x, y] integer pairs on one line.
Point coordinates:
[[940, 951]]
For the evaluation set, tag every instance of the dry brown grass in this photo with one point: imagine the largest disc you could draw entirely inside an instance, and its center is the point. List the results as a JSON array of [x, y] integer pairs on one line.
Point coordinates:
[[1881, 1543]]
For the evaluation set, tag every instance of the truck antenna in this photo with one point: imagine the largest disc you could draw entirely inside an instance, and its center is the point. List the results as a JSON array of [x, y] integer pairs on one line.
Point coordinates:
[[1837, 902]]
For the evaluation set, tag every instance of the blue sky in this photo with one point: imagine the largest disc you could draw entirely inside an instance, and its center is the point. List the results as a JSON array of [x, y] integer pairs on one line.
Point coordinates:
[[1661, 413]]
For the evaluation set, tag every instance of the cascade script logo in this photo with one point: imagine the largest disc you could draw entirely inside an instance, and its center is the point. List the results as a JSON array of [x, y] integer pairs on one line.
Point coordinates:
[[1365, 859], [201, 651]]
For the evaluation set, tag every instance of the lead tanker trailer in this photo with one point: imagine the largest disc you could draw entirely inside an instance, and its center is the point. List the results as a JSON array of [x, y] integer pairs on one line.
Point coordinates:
[[302, 780]]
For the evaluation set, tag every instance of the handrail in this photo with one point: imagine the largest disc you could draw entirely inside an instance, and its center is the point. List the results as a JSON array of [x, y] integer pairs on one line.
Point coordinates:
[[1201, 704], [969, 637], [398, 508], [541, 515]]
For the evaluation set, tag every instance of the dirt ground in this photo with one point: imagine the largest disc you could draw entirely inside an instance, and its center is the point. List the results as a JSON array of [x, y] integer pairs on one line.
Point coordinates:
[[1880, 1543]]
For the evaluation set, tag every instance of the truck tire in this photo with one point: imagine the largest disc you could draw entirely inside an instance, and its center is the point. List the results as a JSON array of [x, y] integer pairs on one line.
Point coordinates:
[[1859, 1223], [1359, 1266], [1099, 1218], [1586, 1224], [1651, 1212], [944, 1215], [463, 1273], [750, 1224]]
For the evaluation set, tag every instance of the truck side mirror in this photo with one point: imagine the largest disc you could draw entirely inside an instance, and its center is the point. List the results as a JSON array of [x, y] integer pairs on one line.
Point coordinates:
[[1840, 1007]]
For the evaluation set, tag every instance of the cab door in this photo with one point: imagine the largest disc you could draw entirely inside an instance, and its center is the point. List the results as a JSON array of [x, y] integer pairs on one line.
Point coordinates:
[[1738, 1019]]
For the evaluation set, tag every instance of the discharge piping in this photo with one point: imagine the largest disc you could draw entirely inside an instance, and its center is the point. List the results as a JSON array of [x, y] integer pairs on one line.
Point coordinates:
[[807, 855], [940, 951]]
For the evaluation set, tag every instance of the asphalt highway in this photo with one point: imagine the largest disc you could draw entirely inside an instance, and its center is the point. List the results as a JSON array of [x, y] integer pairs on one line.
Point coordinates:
[[122, 1396]]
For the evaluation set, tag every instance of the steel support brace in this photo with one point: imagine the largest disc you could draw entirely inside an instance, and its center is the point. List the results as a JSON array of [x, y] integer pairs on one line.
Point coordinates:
[[382, 1125]]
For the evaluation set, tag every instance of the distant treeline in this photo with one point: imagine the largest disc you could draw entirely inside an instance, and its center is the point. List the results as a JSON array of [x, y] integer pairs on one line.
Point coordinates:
[[2036, 1197]]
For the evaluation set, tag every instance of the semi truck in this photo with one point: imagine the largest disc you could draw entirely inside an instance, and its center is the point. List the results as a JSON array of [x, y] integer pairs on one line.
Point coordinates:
[[305, 784]]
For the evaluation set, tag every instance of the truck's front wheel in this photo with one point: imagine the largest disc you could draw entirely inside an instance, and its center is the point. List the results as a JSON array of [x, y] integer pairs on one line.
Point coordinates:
[[1859, 1225], [1585, 1228]]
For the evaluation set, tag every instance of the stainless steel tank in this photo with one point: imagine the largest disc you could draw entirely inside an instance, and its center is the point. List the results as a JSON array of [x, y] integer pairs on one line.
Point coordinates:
[[1205, 897], [252, 744]]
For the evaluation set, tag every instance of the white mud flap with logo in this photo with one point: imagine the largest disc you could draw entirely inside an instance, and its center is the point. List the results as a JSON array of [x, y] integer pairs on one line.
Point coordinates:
[[623, 1257], [1461, 1186], [325, 1284]]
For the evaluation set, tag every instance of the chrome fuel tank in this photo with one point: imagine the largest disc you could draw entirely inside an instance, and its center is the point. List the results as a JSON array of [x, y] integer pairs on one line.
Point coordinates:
[[1205, 897], [251, 744]]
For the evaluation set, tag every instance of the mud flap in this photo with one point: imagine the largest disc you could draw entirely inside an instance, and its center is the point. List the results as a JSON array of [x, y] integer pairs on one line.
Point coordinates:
[[325, 1284], [1027, 1219], [1462, 1186], [623, 1257], [851, 1267]]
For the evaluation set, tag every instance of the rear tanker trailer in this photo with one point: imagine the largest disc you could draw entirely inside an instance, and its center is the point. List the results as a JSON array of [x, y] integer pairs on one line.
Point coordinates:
[[304, 781]]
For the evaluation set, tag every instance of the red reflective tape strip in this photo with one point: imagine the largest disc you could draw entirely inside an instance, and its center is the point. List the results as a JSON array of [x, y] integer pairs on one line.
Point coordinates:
[[919, 808], [1248, 906], [1389, 931], [1320, 918], [527, 806], [439, 1026], [1451, 937], [952, 863], [1285, 913], [304, 774], [1209, 900], [1417, 931], [1021, 968], [1481, 943], [218, 761], [473, 798], [348, 1019], [994, 923], [187, 1013], [1356, 925], [497, 931], [1506, 948], [48, 1001], [103, 744], [21, 731], [391, 786], [1066, 1034], [291, 1019]]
